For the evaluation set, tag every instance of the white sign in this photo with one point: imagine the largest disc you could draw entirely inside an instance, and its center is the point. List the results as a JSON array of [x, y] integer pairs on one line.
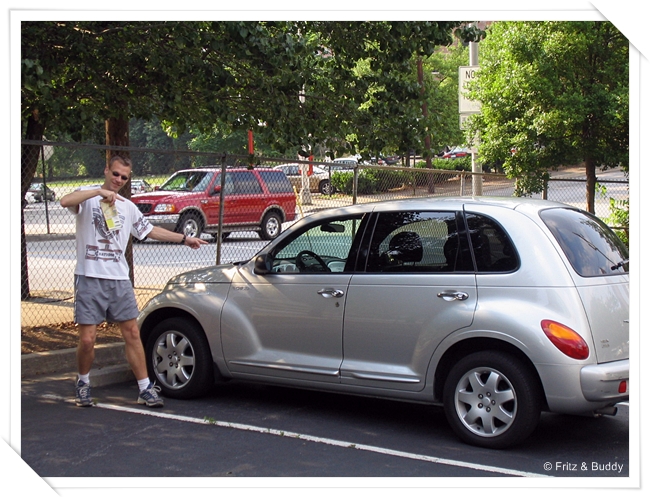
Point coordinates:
[[465, 75]]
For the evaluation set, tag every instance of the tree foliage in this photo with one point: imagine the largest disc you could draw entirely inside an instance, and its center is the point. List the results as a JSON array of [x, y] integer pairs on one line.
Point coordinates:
[[553, 93], [236, 75]]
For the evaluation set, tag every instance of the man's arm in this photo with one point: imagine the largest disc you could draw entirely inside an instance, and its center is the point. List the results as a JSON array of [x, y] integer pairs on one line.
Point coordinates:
[[158, 233], [73, 199]]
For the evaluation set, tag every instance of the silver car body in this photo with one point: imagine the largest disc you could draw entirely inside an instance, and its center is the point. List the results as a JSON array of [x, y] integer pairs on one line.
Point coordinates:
[[396, 335]]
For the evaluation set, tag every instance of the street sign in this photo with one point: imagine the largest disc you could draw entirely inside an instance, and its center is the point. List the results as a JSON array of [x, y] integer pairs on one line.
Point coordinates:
[[465, 75]]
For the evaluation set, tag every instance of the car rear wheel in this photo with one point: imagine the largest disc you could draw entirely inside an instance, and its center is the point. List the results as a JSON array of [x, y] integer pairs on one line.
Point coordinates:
[[179, 359], [325, 187], [271, 226], [491, 399], [190, 225]]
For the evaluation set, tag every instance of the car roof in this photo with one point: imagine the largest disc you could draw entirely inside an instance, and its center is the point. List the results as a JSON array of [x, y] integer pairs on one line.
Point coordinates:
[[444, 203]]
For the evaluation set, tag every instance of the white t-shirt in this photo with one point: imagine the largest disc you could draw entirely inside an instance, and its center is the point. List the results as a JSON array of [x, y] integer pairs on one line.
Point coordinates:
[[100, 251]]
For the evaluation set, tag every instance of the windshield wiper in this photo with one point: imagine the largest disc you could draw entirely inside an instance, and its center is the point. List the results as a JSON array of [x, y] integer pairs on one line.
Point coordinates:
[[620, 264]]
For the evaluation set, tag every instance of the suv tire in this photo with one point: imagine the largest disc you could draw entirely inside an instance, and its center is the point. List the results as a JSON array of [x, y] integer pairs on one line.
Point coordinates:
[[271, 226]]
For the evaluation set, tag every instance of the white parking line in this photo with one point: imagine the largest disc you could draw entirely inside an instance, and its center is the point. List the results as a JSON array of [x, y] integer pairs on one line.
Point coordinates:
[[315, 439]]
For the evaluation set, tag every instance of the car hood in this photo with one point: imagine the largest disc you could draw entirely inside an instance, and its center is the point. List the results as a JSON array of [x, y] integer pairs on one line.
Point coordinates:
[[162, 196], [219, 274]]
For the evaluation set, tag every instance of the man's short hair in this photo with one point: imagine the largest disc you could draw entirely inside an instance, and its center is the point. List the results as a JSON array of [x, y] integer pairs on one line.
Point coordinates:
[[124, 160]]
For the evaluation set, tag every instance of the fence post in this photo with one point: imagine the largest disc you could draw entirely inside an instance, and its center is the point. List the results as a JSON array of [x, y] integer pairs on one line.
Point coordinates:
[[462, 184], [355, 180], [545, 191], [224, 158]]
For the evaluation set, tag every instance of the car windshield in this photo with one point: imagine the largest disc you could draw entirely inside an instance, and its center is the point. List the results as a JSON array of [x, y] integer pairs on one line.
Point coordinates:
[[592, 248], [188, 181]]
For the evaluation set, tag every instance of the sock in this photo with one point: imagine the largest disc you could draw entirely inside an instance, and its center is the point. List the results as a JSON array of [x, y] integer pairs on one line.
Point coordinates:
[[143, 384], [85, 378]]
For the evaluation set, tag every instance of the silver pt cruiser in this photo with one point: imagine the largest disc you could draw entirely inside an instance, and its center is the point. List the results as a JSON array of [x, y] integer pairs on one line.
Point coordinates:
[[494, 308]]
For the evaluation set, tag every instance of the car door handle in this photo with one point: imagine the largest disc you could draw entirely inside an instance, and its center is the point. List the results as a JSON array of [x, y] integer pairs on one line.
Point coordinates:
[[327, 293], [453, 295]]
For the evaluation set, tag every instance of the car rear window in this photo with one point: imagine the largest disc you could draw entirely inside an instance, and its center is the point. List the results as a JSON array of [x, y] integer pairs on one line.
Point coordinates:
[[591, 247]]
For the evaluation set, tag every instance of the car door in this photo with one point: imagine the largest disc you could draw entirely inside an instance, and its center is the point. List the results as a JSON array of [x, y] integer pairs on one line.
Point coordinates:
[[288, 322], [417, 288]]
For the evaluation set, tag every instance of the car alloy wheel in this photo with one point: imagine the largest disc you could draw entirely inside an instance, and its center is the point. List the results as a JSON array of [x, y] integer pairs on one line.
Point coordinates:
[[271, 226], [325, 187], [190, 225], [179, 358], [491, 399]]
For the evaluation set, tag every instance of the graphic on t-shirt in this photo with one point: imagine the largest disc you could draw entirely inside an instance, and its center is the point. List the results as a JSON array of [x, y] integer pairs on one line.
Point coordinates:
[[141, 226], [106, 237]]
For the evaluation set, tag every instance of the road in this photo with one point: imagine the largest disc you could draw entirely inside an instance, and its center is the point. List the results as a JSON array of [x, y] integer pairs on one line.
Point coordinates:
[[248, 430]]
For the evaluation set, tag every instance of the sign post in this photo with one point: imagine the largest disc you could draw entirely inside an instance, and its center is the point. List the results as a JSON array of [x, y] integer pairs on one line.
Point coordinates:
[[466, 108]]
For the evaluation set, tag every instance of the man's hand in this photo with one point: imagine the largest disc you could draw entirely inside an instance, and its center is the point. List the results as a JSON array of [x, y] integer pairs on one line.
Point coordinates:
[[195, 242], [109, 196]]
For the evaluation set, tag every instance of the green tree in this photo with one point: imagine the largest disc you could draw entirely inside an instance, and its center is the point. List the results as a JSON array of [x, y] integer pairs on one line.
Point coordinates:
[[553, 93]]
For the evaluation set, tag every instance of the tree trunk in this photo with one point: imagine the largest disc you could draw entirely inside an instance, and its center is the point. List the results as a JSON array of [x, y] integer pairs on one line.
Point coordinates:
[[590, 170], [117, 133], [28, 164]]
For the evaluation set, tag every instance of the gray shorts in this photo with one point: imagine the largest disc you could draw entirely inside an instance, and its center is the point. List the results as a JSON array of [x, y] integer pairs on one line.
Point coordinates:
[[97, 300]]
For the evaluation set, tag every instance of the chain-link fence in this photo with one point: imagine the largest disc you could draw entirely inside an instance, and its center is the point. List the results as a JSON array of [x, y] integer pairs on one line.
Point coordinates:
[[235, 205]]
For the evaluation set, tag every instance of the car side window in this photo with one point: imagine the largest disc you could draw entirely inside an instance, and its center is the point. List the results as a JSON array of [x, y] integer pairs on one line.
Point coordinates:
[[418, 242], [322, 248], [276, 181], [245, 182], [493, 250]]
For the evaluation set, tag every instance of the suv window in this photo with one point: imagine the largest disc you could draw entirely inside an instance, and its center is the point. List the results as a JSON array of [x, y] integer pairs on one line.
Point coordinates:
[[276, 181], [590, 246], [245, 182], [188, 181]]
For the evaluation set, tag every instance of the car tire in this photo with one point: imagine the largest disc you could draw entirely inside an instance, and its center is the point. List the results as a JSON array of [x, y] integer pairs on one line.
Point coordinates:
[[491, 399], [271, 226], [179, 359], [190, 224], [325, 187]]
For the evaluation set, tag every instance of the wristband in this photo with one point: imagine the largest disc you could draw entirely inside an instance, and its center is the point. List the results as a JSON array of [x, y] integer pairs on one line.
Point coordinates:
[[182, 242]]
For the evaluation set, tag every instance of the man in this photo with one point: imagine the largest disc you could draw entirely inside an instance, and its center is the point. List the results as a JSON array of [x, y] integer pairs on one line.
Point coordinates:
[[103, 291]]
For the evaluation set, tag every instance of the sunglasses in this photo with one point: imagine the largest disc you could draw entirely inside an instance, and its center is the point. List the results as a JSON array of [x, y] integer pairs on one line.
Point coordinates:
[[116, 174]]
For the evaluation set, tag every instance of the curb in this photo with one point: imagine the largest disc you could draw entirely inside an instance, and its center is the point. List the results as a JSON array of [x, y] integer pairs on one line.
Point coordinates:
[[110, 365]]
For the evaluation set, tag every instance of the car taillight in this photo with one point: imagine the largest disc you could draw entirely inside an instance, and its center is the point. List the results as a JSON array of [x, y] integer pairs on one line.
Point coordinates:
[[566, 340]]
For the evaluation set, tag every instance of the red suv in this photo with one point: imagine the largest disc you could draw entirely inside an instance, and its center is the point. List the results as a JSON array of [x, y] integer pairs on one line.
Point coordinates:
[[188, 202]]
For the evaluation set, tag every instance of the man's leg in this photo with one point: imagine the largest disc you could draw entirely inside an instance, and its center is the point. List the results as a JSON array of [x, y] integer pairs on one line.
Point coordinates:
[[86, 348], [134, 349], [85, 358], [135, 356]]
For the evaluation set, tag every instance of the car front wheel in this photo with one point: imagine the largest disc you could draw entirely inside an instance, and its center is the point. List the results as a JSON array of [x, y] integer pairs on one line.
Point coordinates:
[[491, 399], [179, 359], [190, 225]]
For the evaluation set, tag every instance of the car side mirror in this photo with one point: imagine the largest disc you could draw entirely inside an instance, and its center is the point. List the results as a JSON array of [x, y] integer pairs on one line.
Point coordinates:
[[217, 189], [156, 187], [262, 264]]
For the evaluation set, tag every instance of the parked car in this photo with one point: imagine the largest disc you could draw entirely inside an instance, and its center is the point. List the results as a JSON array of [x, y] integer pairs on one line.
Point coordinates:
[[456, 152], [319, 180], [188, 202], [140, 187], [40, 191], [494, 308], [390, 160]]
